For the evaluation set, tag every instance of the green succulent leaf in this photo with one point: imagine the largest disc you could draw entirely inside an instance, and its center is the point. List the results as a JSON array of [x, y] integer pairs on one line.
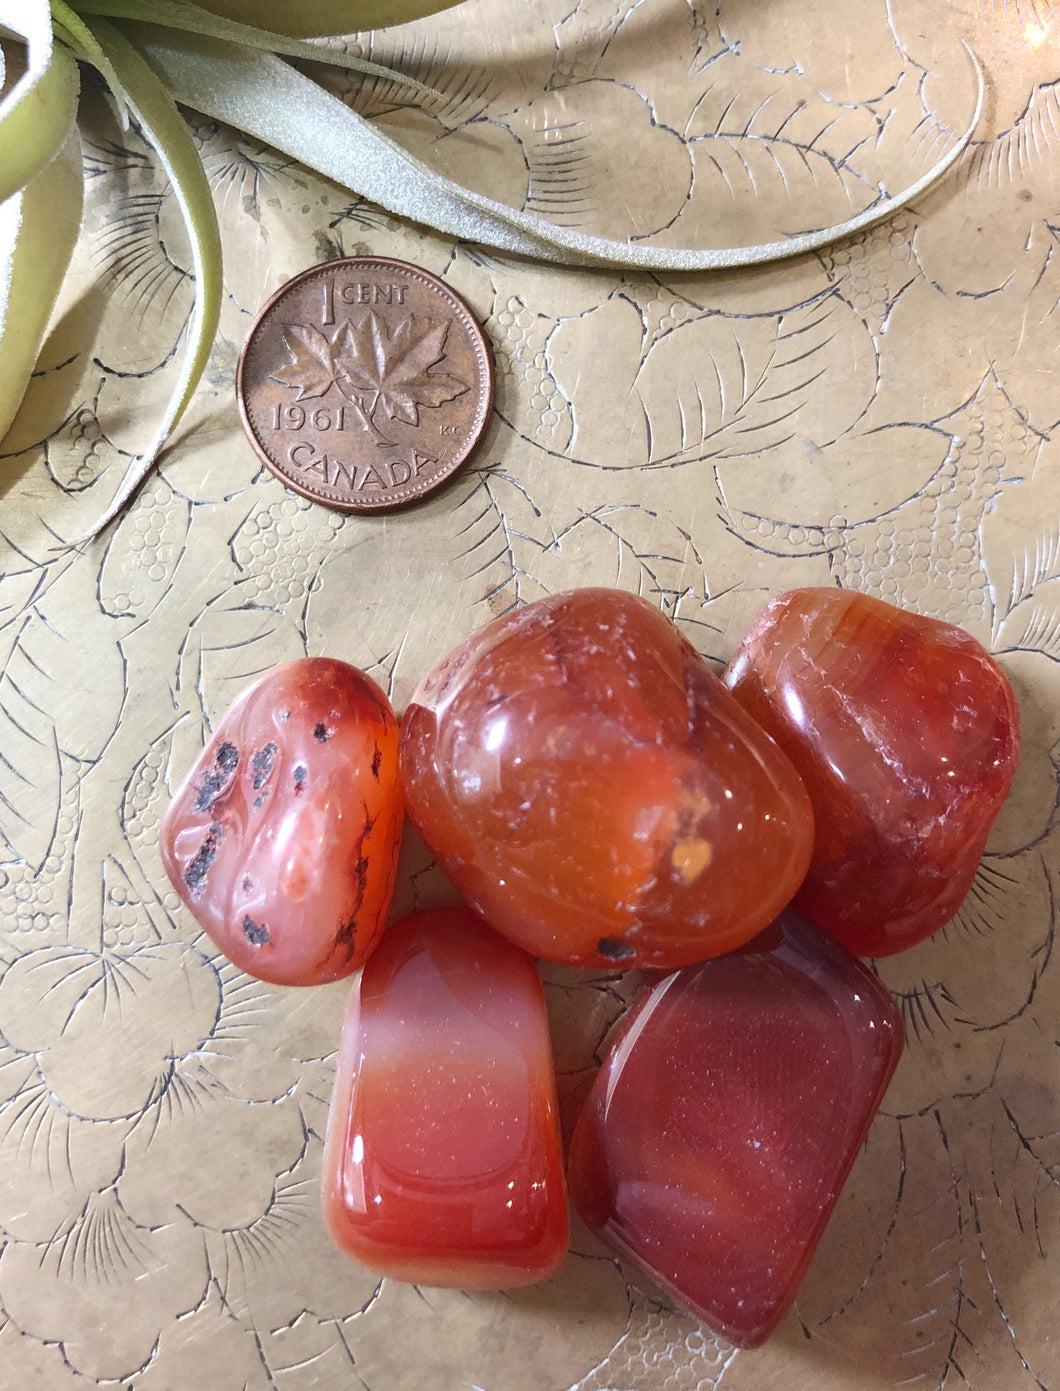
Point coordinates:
[[38, 232], [326, 17], [37, 113], [164, 127], [265, 97], [185, 17], [68, 26]]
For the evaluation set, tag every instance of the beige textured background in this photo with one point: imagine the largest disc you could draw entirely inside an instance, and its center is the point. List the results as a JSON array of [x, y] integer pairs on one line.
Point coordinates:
[[883, 415]]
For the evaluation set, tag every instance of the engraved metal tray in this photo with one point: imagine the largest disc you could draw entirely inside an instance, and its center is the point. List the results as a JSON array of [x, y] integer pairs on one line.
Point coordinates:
[[882, 414]]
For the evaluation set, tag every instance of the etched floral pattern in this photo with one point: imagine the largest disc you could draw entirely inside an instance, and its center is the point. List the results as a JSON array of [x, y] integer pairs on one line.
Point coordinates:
[[880, 416]]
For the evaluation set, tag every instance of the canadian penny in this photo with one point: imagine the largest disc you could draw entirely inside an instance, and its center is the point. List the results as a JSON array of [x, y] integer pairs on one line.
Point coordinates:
[[364, 383]]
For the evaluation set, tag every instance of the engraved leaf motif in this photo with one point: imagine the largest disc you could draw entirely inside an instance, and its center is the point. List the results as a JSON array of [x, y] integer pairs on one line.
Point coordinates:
[[274, 1268], [718, 385], [64, 638], [30, 777], [228, 646], [61, 1005], [395, 368], [1021, 557], [102, 1261], [1034, 624], [312, 368]]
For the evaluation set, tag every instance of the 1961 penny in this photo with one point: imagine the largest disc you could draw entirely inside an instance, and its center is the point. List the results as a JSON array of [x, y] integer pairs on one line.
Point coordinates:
[[364, 383]]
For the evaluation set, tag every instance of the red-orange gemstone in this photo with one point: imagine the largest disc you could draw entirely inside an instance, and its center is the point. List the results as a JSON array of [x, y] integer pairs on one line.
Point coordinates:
[[723, 1124], [589, 785], [442, 1164], [283, 839], [906, 734]]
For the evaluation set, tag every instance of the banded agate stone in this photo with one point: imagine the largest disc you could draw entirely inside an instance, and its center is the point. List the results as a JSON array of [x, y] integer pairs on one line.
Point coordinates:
[[283, 839], [725, 1119], [906, 734], [593, 790], [442, 1164]]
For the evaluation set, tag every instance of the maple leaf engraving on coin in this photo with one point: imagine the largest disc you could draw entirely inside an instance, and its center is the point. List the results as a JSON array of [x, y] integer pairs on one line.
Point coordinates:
[[394, 368], [311, 370]]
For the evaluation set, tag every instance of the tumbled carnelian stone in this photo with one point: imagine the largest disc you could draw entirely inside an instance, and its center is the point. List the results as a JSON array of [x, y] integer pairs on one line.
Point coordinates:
[[442, 1164], [906, 734], [589, 785], [283, 839], [725, 1120]]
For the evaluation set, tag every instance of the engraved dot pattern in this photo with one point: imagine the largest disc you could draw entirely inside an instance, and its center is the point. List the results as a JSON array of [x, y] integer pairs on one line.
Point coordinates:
[[280, 546]]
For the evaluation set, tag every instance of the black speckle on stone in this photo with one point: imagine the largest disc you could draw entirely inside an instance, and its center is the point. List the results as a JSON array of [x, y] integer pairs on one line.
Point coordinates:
[[346, 937], [320, 733], [301, 772], [248, 883], [262, 762], [377, 760], [196, 872], [285, 715], [257, 934], [208, 790], [259, 801], [615, 949], [224, 765], [227, 757]]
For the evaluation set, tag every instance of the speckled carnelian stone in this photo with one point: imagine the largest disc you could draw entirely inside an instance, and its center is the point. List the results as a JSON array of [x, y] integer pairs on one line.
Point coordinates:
[[283, 839]]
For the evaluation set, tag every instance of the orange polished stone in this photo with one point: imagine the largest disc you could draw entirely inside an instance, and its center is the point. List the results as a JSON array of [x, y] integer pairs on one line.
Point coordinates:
[[283, 839], [442, 1164], [589, 785], [906, 734], [721, 1128]]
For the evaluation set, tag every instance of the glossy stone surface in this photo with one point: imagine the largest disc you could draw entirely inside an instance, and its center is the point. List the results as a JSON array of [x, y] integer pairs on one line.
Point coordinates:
[[724, 1122], [283, 839], [589, 785], [906, 734], [442, 1164]]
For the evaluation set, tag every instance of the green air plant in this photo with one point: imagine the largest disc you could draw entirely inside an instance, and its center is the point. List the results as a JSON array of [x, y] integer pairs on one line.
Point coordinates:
[[155, 53]]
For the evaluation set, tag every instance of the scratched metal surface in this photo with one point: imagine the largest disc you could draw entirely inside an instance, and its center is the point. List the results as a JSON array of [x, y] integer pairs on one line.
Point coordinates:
[[882, 415]]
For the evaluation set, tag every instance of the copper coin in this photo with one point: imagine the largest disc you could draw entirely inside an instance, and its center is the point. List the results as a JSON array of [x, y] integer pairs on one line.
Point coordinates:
[[364, 383]]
